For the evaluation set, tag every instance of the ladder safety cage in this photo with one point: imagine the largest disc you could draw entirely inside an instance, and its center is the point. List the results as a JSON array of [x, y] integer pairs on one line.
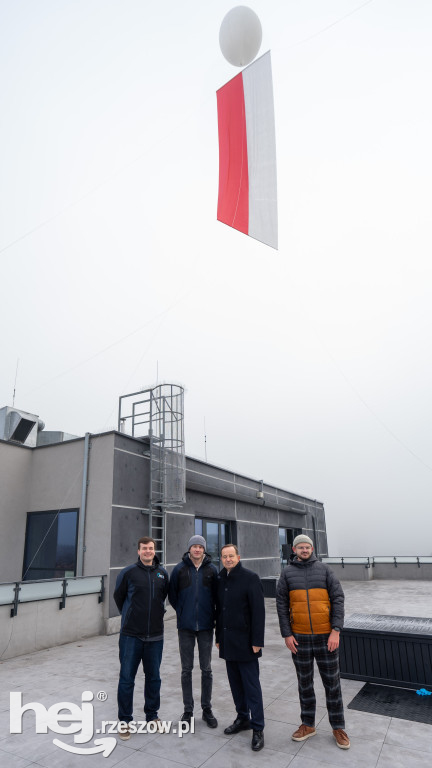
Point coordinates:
[[157, 414]]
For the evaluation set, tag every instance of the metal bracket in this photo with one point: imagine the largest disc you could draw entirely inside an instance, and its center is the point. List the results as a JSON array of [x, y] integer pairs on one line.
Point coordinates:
[[102, 592], [14, 609], [62, 603]]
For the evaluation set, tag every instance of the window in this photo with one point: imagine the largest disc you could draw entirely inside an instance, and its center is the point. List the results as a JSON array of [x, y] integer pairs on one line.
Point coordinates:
[[286, 538], [216, 535], [50, 544]]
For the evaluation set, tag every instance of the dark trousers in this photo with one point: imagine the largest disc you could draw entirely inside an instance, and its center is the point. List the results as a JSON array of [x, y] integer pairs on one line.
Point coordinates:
[[243, 677], [312, 647], [204, 639], [132, 651]]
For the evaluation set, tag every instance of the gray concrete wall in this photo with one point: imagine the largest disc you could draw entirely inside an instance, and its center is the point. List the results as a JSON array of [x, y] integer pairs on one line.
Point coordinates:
[[200, 504], [42, 625], [258, 538], [351, 572], [129, 504], [97, 533], [131, 473], [15, 476], [56, 479], [403, 571], [179, 529]]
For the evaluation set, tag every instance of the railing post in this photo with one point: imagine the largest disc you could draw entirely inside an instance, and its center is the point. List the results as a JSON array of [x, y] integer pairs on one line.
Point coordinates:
[[102, 592], [62, 603], [14, 609], [343, 566], [395, 562]]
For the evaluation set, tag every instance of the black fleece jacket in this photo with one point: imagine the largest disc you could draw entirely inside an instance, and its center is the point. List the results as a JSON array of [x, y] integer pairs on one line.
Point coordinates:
[[139, 595]]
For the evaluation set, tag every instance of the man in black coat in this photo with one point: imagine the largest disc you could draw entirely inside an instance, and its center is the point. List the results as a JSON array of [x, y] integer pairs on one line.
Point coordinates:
[[240, 636]]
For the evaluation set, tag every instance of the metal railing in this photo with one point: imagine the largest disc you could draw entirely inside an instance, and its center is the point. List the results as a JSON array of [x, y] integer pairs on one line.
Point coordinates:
[[370, 562], [16, 592]]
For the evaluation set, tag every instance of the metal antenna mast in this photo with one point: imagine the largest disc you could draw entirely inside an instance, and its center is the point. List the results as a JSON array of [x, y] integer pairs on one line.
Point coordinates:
[[16, 376]]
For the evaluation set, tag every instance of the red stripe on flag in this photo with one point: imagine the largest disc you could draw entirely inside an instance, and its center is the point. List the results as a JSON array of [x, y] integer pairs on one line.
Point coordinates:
[[233, 201]]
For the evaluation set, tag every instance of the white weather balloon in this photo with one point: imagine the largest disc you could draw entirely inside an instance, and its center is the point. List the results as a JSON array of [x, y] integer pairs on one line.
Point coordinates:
[[240, 36]]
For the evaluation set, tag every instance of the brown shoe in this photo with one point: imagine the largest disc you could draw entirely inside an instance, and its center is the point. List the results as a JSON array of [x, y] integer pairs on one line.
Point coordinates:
[[124, 730], [342, 739], [304, 732]]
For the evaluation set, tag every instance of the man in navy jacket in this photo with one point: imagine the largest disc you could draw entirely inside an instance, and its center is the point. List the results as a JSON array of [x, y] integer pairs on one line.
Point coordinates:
[[139, 594], [240, 637], [192, 594]]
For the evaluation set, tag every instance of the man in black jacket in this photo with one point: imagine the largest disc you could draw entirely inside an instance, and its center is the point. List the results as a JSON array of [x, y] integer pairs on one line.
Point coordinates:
[[139, 594], [240, 637], [192, 594]]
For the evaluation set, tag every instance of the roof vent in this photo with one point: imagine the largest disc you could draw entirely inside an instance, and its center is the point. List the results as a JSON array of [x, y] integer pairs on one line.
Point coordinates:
[[19, 426]]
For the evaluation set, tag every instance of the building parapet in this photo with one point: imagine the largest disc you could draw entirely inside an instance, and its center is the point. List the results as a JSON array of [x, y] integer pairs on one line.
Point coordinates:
[[381, 567]]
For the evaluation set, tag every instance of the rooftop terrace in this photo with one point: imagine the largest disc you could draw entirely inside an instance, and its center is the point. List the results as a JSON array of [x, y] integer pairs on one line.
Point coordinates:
[[63, 673]]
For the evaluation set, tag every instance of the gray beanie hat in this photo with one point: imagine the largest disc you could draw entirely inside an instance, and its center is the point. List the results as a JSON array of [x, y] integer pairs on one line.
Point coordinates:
[[196, 540], [302, 539]]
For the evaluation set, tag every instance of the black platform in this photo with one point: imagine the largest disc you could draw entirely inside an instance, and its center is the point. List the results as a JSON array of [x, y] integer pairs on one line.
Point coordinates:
[[391, 650], [403, 703]]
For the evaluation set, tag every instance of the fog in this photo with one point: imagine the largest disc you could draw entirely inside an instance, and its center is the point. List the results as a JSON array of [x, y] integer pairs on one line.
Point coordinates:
[[309, 366]]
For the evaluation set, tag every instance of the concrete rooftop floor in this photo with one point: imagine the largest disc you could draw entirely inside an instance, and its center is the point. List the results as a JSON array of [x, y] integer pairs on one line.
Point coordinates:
[[62, 674]]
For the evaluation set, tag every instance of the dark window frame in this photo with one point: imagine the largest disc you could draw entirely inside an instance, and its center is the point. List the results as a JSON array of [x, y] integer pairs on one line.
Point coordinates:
[[229, 535], [54, 513], [295, 532]]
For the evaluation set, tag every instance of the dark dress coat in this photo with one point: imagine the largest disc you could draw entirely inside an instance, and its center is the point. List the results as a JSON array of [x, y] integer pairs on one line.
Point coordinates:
[[240, 614]]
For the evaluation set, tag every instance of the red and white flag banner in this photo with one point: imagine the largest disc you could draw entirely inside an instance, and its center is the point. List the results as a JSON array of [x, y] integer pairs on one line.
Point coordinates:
[[247, 153]]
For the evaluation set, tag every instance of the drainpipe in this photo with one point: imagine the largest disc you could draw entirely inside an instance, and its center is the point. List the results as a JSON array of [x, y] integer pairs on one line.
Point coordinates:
[[82, 515]]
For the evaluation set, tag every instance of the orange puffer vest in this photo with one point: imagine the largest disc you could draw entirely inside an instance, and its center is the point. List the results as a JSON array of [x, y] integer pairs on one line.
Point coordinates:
[[310, 611]]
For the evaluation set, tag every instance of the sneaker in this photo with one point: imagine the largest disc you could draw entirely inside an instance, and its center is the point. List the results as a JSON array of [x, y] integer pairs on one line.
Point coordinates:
[[303, 732], [342, 739], [186, 717], [123, 730], [209, 718]]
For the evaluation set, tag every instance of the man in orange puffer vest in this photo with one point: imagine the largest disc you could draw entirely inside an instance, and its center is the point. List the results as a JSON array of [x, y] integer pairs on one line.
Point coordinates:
[[310, 606]]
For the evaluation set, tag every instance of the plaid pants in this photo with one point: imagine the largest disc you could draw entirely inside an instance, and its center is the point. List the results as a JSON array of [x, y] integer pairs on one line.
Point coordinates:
[[312, 647]]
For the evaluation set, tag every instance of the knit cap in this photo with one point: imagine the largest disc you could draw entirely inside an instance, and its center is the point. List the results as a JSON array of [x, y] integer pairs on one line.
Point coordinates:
[[302, 539], [200, 540]]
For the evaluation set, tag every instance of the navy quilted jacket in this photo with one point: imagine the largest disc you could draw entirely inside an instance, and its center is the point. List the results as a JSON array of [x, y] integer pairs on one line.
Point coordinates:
[[192, 593]]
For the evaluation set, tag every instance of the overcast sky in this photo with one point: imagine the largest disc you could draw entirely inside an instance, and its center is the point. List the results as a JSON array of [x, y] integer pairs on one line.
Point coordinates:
[[311, 365]]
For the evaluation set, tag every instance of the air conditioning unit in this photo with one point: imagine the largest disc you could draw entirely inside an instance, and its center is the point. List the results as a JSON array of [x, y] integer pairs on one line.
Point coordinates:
[[19, 427]]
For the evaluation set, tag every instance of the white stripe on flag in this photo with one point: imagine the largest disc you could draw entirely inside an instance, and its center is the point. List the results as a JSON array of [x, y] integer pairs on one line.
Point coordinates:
[[261, 147]]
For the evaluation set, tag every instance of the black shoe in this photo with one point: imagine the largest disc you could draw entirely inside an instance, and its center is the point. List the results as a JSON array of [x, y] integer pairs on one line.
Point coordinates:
[[186, 717], [238, 725], [209, 718], [257, 741]]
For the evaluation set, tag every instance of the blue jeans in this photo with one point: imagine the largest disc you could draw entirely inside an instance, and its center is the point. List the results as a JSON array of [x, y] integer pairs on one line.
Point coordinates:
[[132, 650]]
